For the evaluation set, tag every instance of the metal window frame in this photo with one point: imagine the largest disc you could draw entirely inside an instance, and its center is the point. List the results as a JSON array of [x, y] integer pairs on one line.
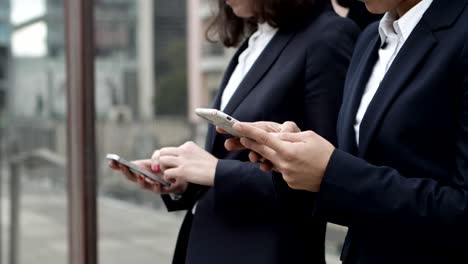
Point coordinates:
[[81, 169]]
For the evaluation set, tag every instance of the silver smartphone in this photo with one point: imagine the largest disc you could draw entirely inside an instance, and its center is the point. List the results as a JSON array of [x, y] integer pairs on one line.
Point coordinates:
[[218, 119], [137, 170]]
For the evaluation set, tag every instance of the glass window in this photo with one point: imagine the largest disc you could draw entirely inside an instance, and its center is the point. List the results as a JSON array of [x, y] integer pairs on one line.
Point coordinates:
[[142, 92], [33, 140], [4, 58], [141, 89], [3, 33]]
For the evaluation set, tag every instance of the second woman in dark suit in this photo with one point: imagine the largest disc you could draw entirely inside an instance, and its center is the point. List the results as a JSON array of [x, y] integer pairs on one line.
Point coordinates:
[[291, 67], [399, 179]]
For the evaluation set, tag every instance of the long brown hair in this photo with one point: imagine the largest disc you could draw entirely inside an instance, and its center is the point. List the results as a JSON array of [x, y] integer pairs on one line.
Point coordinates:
[[231, 30]]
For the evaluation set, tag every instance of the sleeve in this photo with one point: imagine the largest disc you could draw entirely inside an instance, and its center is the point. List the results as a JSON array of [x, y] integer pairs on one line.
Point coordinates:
[[242, 186], [327, 65], [356, 192], [185, 201]]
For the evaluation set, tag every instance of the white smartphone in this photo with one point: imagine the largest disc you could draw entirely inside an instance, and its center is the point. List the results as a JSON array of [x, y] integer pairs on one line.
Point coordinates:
[[137, 170], [217, 118]]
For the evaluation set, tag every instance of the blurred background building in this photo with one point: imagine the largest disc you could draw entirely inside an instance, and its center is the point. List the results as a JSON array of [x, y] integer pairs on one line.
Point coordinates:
[[115, 33], [170, 53], [116, 36], [5, 37], [119, 23]]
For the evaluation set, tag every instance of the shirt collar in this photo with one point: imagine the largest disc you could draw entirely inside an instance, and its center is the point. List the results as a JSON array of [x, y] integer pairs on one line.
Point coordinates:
[[265, 28], [264, 31], [401, 28]]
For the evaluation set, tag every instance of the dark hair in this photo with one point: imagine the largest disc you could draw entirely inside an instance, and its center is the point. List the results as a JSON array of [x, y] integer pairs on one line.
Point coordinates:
[[231, 30], [345, 3]]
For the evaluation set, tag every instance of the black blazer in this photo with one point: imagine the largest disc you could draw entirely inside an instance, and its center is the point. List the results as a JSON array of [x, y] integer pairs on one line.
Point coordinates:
[[247, 217], [404, 191]]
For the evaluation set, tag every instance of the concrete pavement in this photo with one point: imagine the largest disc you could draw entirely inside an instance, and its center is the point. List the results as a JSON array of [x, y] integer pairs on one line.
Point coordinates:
[[128, 233]]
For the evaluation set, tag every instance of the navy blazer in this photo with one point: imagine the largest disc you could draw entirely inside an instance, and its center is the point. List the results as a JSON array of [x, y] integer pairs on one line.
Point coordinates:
[[250, 216], [404, 191]]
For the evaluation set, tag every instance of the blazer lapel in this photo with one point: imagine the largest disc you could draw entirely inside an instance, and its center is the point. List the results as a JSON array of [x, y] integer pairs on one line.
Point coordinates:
[[259, 69], [441, 14], [347, 136], [211, 133], [256, 73], [403, 68], [227, 75]]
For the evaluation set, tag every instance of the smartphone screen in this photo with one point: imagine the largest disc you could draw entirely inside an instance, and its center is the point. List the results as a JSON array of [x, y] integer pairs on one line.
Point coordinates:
[[137, 170]]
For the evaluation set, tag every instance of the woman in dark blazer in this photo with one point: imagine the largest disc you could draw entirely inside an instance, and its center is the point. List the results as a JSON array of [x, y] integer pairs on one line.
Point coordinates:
[[236, 212]]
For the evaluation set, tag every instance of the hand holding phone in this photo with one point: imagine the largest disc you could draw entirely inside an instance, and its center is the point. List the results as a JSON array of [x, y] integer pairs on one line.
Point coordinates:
[[218, 119], [137, 170]]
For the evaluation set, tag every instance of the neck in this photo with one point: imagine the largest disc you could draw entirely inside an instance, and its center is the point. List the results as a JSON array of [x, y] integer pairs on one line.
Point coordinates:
[[405, 6]]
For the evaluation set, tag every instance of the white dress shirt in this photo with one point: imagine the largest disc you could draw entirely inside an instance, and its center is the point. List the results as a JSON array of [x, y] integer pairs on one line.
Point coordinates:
[[393, 34], [257, 43]]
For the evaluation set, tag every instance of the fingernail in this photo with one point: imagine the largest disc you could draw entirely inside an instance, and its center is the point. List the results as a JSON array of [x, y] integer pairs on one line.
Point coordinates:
[[243, 141], [156, 167]]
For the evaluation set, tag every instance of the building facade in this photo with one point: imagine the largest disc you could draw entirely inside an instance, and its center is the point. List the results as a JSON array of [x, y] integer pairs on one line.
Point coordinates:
[[126, 35], [116, 64], [170, 57], [115, 27]]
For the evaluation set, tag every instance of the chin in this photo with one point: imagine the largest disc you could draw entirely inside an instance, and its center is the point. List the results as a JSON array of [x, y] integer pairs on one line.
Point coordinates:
[[240, 14], [374, 9]]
